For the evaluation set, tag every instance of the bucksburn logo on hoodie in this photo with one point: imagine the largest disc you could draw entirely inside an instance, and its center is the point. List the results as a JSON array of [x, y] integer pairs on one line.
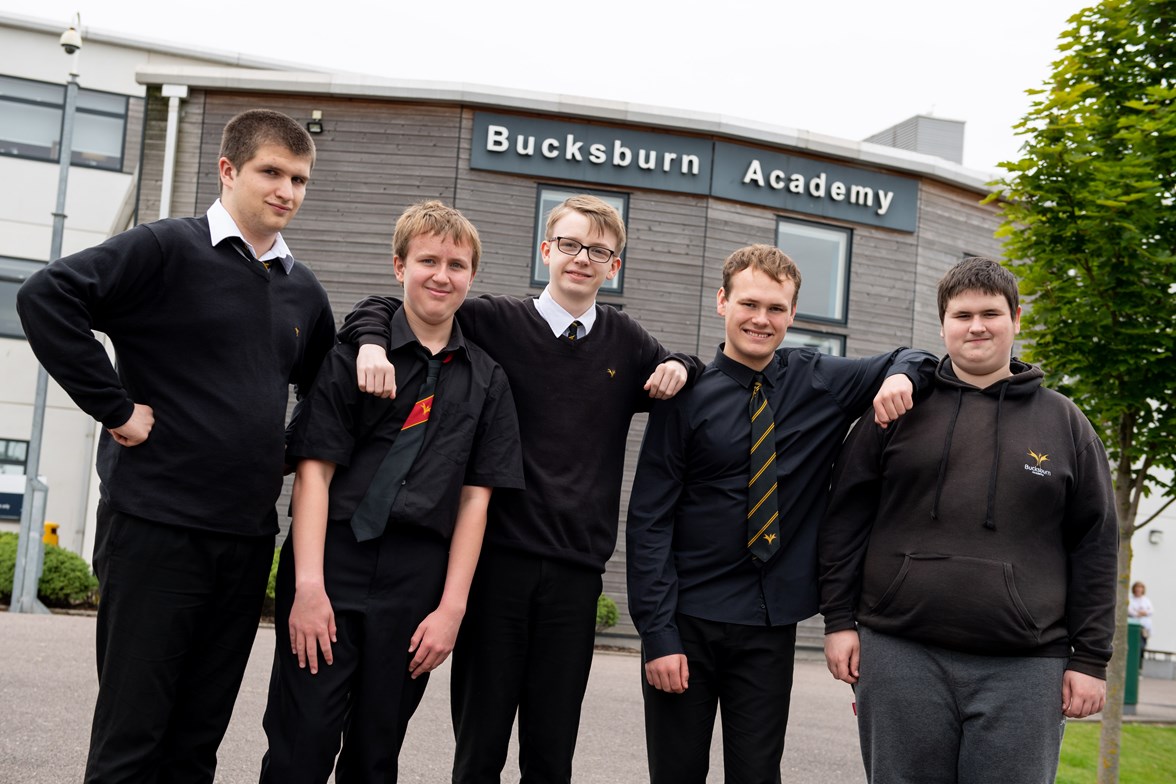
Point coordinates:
[[1039, 459]]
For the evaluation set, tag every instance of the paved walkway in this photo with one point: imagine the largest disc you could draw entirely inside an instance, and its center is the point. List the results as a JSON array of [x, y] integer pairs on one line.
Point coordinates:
[[47, 690]]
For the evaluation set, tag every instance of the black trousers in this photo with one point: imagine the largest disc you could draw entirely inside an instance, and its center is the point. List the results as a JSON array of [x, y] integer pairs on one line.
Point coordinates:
[[380, 591], [525, 644], [176, 622], [745, 671]]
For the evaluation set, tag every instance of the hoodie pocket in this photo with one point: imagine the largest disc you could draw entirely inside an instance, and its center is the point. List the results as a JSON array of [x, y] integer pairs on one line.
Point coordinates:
[[957, 602]]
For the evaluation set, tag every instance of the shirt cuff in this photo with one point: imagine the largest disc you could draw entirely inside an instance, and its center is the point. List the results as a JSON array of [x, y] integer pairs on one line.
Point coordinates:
[[659, 644]]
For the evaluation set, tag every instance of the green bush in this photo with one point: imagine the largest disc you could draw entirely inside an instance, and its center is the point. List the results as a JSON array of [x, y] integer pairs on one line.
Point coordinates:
[[607, 613], [270, 587], [66, 579]]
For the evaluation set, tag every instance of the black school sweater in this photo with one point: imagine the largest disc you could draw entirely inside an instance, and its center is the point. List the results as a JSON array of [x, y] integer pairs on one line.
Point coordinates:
[[575, 402], [207, 338], [982, 521]]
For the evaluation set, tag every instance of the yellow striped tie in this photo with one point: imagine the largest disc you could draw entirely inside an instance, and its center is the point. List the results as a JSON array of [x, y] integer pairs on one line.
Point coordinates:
[[763, 513]]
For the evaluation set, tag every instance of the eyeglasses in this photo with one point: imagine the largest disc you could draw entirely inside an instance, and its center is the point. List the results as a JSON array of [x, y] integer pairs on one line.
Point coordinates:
[[597, 253]]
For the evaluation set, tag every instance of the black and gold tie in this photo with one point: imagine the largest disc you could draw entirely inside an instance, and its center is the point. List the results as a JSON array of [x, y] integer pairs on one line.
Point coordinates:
[[571, 332], [371, 516], [763, 513]]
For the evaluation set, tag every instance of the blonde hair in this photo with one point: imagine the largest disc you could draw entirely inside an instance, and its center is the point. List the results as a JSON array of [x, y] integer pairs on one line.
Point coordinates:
[[434, 217]]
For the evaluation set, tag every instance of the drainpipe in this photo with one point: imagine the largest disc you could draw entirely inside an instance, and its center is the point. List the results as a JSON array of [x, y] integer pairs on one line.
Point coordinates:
[[174, 94]]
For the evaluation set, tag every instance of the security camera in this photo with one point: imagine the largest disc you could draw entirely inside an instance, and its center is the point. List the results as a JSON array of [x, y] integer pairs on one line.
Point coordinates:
[[71, 40]]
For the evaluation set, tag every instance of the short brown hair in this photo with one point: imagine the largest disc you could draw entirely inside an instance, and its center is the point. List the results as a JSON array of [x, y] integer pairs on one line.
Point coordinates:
[[602, 215], [434, 217], [249, 130], [978, 274], [768, 259]]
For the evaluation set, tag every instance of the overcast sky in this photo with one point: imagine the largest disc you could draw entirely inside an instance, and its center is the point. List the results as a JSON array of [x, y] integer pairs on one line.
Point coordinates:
[[846, 68]]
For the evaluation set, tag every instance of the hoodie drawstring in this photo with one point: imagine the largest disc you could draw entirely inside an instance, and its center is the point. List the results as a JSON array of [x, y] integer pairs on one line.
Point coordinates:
[[989, 523], [946, 448]]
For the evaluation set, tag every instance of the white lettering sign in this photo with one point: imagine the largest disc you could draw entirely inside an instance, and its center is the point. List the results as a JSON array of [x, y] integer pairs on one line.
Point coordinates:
[[816, 186]]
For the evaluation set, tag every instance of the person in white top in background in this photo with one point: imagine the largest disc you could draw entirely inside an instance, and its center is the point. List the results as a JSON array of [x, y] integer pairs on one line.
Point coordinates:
[[1141, 607]]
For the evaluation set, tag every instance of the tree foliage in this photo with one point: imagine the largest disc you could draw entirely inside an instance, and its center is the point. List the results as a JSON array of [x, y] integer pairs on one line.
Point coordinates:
[[1090, 212], [1091, 225]]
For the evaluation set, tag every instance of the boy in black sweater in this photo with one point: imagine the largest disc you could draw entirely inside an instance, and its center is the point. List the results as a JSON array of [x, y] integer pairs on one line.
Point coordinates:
[[579, 371], [212, 319], [376, 572], [973, 543]]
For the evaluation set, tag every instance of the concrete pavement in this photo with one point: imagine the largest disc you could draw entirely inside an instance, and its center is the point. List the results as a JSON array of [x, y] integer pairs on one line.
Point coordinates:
[[48, 685]]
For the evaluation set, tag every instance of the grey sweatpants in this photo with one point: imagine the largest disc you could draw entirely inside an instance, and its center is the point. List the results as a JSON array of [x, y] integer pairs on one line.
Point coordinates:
[[935, 716]]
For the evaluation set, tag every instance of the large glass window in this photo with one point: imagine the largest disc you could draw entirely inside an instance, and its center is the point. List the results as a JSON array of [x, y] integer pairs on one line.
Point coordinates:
[[825, 342], [551, 197], [31, 119], [822, 254], [13, 272]]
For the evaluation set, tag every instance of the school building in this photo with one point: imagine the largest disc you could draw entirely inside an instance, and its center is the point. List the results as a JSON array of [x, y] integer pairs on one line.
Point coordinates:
[[872, 224]]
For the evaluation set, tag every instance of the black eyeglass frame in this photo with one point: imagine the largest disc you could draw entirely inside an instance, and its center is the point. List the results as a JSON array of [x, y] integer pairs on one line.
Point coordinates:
[[560, 241]]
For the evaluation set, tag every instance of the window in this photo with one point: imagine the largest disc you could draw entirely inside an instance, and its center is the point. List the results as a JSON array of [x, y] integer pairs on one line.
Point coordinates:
[[822, 254], [31, 116], [14, 456], [13, 272], [551, 197], [824, 342]]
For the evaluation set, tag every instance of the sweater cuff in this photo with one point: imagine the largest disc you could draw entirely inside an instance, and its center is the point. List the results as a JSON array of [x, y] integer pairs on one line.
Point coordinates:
[[120, 417], [1087, 666], [839, 621]]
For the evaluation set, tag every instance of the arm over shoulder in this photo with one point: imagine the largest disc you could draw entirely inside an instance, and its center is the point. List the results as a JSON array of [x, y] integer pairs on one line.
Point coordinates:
[[854, 382]]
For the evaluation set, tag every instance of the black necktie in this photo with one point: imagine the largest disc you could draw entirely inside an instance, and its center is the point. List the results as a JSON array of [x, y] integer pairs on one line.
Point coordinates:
[[571, 332], [763, 513], [371, 517]]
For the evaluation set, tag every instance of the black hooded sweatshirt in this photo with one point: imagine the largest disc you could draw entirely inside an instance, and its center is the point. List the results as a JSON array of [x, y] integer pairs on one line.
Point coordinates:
[[982, 521]]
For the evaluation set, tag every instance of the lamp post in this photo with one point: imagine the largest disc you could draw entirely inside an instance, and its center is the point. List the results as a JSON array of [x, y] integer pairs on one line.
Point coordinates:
[[30, 549]]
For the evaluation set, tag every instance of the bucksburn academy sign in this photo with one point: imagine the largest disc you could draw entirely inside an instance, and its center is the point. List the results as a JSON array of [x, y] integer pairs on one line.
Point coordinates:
[[683, 164]]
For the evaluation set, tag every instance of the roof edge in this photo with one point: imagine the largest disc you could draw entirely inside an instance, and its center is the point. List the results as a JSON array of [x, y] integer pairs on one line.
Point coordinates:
[[346, 85]]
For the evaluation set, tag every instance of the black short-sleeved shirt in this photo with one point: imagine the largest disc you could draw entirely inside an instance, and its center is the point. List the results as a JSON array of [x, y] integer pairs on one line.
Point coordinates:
[[471, 438]]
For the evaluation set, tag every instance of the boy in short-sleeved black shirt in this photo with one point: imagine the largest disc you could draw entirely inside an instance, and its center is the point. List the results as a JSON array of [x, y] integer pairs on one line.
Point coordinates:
[[379, 567]]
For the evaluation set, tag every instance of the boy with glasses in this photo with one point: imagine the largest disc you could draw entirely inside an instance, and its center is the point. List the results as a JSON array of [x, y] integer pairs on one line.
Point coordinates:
[[579, 371]]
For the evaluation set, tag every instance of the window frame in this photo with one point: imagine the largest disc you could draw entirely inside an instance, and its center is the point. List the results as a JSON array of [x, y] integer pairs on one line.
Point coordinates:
[[13, 273], [79, 155], [813, 228], [817, 335]]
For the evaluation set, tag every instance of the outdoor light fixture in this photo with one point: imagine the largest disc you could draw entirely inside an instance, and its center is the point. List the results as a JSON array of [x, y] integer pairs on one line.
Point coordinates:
[[1155, 537], [315, 124]]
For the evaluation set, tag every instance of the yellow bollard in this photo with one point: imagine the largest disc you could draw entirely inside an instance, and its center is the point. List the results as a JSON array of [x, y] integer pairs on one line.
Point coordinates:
[[50, 536]]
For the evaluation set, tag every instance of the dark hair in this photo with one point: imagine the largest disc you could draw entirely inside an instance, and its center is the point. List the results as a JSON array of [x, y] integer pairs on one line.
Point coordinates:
[[978, 274], [249, 130], [768, 259]]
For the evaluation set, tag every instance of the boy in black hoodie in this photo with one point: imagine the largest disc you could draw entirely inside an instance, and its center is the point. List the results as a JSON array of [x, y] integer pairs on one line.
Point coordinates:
[[974, 545]]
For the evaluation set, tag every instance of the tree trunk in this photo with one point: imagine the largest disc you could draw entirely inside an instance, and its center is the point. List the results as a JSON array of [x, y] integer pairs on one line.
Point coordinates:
[[1112, 715]]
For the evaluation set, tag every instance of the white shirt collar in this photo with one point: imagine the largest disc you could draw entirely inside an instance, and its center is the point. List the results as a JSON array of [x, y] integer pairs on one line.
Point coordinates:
[[559, 319], [222, 225]]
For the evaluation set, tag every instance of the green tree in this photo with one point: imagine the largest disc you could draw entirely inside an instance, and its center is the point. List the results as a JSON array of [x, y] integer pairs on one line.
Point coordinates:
[[1091, 229]]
